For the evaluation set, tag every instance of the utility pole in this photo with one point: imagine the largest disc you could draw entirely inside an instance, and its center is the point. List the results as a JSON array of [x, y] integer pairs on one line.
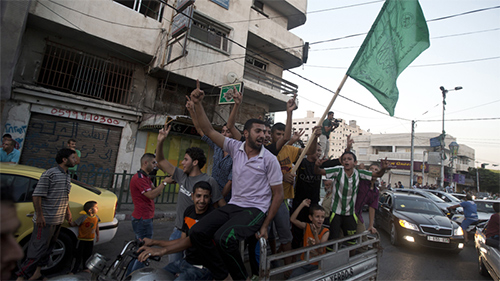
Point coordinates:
[[412, 148], [443, 134]]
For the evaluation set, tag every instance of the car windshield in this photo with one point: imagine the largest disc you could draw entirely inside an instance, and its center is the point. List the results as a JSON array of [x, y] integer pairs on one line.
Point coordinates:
[[417, 205], [434, 198], [485, 207]]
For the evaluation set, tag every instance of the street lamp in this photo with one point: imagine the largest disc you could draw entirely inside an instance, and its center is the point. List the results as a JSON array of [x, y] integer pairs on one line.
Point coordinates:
[[443, 134]]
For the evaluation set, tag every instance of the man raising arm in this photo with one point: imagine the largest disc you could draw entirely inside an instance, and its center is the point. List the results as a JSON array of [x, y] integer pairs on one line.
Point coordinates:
[[256, 178]]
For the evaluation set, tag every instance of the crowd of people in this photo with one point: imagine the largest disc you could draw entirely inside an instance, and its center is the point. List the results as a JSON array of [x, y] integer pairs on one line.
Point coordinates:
[[249, 195], [252, 193]]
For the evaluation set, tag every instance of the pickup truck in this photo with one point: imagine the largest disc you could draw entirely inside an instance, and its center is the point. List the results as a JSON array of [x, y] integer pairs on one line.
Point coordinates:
[[354, 262], [488, 256]]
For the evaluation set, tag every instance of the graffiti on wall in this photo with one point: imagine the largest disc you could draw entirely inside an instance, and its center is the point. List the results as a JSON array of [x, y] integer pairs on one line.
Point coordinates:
[[98, 143], [16, 131]]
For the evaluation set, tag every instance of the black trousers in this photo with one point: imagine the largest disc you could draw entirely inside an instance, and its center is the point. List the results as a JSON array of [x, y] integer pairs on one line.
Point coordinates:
[[346, 224], [83, 253], [225, 226]]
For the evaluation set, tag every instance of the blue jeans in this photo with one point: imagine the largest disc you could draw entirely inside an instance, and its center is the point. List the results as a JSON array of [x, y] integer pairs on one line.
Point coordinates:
[[187, 271], [142, 229], [176, 234]]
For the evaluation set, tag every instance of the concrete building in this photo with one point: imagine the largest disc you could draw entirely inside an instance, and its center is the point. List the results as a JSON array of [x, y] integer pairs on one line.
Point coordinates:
[[110, 73], [397, 148], [337, 139]]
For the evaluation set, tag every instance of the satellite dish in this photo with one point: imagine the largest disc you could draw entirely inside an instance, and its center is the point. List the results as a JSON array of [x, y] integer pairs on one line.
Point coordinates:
[[232, 77]]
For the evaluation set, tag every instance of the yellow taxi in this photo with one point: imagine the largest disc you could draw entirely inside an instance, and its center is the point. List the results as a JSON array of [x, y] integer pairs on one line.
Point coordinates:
[[22, 180]]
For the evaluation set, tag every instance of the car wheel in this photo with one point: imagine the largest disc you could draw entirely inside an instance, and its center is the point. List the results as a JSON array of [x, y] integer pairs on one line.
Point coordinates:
[[61, 254], [482, 269], [394, 235]]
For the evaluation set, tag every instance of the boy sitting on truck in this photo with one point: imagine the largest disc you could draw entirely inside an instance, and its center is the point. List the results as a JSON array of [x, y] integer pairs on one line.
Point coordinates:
[[314, 233]]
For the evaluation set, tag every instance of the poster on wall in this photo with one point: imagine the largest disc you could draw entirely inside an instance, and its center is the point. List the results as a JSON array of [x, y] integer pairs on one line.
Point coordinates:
[[222, 3], [227, 92]]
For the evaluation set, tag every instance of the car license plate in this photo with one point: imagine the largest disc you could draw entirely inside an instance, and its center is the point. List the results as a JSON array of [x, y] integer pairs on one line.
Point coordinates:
[[438, 239]]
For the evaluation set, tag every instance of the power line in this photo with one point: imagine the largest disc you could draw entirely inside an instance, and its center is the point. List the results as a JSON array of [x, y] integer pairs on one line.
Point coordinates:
[[432, 38], [463, 14], [468, 119], [420, 65], [108, 21], [307, 13]]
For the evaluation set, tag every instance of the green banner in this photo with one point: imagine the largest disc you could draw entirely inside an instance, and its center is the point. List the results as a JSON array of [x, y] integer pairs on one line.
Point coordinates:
[[397, 37]]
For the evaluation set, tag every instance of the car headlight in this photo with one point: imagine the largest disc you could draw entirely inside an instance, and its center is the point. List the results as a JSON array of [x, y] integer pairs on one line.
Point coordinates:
[[458, 232], [408, 225]]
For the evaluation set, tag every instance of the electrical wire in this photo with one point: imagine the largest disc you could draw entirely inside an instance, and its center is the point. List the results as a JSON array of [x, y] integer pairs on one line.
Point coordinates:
[[108, 21]]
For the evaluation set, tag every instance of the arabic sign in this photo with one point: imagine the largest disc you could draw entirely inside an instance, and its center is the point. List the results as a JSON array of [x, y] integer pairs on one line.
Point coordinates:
[[227, 92], [435, 142], [406, 165]]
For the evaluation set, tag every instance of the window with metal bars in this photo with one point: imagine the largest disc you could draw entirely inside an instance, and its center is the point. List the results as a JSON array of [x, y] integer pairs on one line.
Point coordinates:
[[209, 32], [150, 8], [68, 69]]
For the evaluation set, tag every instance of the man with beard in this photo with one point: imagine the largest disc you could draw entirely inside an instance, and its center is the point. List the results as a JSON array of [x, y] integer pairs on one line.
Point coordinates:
[[50, 199], [193, 162], [143, 191], [256, 179]]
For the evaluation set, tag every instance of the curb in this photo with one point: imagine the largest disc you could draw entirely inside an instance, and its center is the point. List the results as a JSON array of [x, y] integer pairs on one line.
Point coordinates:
[[170, 216]]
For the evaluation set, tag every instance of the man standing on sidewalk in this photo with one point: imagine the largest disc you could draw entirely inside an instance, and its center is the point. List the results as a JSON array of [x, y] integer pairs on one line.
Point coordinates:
[[50, 199], [72, 170], [143, 192]]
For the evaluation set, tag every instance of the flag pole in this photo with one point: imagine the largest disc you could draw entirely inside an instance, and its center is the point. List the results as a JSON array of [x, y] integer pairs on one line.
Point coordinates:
[[304, 151]]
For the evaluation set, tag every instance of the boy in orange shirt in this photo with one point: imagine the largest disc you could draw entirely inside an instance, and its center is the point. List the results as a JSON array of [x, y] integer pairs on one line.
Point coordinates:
[[314, 233], [88, 229]]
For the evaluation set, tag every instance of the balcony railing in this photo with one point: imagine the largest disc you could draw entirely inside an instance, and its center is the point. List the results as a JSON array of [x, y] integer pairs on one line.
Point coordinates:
[[269, 80]]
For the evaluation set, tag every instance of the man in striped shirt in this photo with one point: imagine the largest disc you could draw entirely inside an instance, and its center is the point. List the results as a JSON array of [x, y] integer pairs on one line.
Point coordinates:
[[345, 190], [50, 199]]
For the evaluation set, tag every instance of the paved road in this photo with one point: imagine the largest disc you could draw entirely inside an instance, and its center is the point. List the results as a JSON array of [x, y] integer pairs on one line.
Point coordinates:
[[397, 263]]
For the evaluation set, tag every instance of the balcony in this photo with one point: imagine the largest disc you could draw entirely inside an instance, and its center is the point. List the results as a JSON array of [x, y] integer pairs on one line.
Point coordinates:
[[294, 10], [272, 39], [267, 87]]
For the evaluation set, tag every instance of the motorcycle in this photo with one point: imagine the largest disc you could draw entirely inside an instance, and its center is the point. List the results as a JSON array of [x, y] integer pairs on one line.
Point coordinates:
[[97, 264]]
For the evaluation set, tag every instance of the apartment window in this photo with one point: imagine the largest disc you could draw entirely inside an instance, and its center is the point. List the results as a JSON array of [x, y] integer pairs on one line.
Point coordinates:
[[149, 8], [314, 122], [68, 69], [256, 62], [210, 33]]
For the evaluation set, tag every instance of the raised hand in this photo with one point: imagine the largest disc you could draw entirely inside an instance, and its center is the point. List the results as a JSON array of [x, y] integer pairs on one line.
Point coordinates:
[[306, 202], [320, 162], [189, 104], [291, 105], [384, 164], [197, 94], [237, 96], [163, 133], [296, 136], [350, 142]]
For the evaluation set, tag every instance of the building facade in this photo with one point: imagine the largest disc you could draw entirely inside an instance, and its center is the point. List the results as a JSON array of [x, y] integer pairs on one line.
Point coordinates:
[[111, 73], [337, 138], [427, 160]]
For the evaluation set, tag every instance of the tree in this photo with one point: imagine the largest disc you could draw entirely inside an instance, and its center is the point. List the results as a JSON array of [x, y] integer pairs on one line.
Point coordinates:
[[489, 180]]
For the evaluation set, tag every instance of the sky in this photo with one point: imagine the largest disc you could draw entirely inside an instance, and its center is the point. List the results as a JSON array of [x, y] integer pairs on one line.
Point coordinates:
[[464, 51]]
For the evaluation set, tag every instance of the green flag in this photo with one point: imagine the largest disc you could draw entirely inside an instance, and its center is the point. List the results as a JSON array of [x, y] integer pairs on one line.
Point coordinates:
[[397, 37]]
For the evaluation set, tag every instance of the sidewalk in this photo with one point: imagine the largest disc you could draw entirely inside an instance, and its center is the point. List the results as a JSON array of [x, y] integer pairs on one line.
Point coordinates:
[[162, 211]]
